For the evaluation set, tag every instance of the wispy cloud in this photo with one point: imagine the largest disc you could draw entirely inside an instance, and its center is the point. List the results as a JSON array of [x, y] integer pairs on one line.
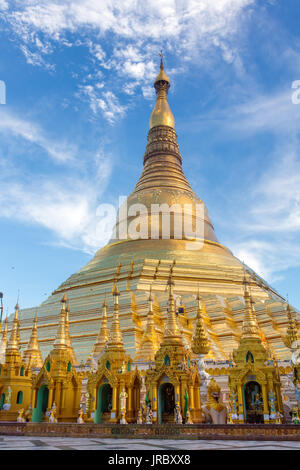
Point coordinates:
[[64, 202], [12, 125], [132, 34]]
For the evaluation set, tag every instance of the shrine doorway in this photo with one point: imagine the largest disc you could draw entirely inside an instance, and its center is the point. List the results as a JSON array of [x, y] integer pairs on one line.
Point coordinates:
[[41, 404], [166, 403], [253, 403], [104, 404]]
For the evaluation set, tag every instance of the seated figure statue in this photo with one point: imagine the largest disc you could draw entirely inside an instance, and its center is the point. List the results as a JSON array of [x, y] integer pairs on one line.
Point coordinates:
[[214, 411]]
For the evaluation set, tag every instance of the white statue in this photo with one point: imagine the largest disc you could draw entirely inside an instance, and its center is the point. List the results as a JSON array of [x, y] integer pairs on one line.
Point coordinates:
[[149, 414], [123, 398], [80, 419], [20, 418], [177, 414]]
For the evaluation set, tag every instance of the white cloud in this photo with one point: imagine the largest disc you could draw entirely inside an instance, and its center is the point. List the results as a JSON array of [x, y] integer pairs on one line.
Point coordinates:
[[136, 32], [106, 102], [11, 124], [3, 5]]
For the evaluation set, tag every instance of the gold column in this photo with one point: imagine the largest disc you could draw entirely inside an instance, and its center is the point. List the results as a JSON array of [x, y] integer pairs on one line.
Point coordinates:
[[114, 405], [177, 394], [58, 396], [191, 396], [183, 388], [265, 399], [154, 403], [33, 398], [50, 398], [241, 402]]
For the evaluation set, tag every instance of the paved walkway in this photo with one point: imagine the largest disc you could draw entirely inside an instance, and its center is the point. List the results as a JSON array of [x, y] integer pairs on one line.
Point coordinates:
[[69, 443]]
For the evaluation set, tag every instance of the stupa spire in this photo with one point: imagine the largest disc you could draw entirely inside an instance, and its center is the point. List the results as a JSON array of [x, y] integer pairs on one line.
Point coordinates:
[[162, 114], [103, 334], [250, 327], [200, 344], [61, 340], [68, 337], [115, 338], [172, 332], [32, 355], [13, 344], [149, 343], [292, 331], [3, 343]]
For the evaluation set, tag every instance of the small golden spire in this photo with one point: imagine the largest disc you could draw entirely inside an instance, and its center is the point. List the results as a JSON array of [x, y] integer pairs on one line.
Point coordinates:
[[115, 338], [149, 343], [61, 341], [162, 114], [32, 355], [200, 343], [3, 343], [292, 331], [172, 332], [103, 334], [250, 327], [13, 344], [68, 338]]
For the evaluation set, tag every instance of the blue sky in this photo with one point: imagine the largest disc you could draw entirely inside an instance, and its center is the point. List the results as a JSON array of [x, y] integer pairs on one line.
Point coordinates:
[[79, 94]]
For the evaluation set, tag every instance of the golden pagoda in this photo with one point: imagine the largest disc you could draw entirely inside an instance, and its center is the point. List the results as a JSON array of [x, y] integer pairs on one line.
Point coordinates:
[[144, 330]]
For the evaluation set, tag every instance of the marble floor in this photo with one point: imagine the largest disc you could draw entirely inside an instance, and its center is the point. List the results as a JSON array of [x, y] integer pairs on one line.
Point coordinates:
[[69, 443]]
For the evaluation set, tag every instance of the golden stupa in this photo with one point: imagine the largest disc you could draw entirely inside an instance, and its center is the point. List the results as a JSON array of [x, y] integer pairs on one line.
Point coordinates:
[[201, 267]]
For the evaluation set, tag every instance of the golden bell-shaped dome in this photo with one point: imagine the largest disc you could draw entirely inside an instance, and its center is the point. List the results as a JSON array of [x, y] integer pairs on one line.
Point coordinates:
[[162, 114]]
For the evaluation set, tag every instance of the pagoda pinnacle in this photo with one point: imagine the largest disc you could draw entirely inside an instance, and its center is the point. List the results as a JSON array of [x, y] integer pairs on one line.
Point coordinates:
[[200, 344], [103, 334], [68, 338], [162, 114], [292, 331], [250, 327], [61, 341], [149, 343], [172, 332], [32, 355], [13, 344], [115, 338], [3, 343]]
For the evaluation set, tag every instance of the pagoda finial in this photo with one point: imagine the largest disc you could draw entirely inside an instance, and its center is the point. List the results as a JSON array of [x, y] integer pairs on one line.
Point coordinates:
[[68, 337], [115, 338], [172, 331], [200, 343], [32, 355], [250, 327], [149, 343], [292, 331], [103, 334], [162, 114], [13, 344], [61, 340]]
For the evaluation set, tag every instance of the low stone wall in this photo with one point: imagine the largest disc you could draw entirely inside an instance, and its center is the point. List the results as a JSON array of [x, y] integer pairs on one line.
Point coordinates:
[[196, 431]]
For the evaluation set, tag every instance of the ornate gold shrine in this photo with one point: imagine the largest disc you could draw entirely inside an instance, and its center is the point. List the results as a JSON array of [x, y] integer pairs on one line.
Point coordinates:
[[57, 386], [15, 378], [172, 380], [254, 377], [113, 376]]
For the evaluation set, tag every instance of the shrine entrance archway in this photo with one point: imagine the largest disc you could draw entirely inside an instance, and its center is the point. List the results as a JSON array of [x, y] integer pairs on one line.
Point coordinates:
[[41, 404], [166, 403], [104, 404], [253, 403]]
